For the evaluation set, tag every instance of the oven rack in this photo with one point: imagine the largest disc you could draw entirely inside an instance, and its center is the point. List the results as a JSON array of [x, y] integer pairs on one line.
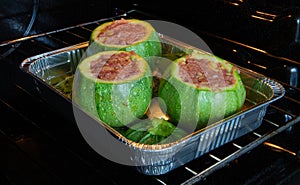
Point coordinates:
[[281, 115]]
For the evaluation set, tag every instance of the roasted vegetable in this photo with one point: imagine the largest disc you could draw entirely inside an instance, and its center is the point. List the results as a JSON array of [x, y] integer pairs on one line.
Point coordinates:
[[200, 89], [114, 86], [154, 131], [128, 35]]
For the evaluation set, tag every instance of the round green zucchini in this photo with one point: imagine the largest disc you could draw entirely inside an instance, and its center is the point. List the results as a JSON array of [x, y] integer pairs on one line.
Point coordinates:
[[127, 35], [114, 86], [200, 89]]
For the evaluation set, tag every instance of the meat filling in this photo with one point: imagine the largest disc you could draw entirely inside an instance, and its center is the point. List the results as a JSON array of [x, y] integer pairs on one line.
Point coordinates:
[[114, 67], [204, 73], [122, 32]]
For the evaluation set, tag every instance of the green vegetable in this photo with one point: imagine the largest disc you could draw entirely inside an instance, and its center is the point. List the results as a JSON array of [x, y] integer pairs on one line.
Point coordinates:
[[124, 35], [154, 131], [116, 102], [195, 100]]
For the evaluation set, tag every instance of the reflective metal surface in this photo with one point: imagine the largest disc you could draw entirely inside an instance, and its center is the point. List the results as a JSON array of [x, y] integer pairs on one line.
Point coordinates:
[[48, 69], [36, 148]]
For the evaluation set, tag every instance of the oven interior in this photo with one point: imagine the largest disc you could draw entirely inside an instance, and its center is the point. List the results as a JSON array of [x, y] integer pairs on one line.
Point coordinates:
[[55, 148]]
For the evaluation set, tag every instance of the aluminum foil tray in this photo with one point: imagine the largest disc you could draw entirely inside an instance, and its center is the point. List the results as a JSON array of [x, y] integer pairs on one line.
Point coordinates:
[[50, 69]]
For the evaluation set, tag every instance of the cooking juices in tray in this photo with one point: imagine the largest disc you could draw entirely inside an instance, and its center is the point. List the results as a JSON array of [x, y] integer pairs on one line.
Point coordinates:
[[54, 73]]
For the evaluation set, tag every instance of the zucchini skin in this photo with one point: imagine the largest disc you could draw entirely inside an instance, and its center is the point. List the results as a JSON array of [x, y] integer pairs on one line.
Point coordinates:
[[196, 108], [121, 104], [148, 46], [114, 103]]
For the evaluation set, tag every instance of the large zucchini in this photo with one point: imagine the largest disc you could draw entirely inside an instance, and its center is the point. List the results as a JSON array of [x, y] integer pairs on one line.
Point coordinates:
[[127, 35], [200, 89], [114, 86]]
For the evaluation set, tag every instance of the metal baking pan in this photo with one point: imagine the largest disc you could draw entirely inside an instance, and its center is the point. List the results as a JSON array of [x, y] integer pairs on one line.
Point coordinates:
[[51, 69]]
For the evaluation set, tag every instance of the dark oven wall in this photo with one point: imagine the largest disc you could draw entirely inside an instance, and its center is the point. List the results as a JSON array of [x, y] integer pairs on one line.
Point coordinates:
[[269, 25], [40, 146], [19, 18], [22, 18]]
